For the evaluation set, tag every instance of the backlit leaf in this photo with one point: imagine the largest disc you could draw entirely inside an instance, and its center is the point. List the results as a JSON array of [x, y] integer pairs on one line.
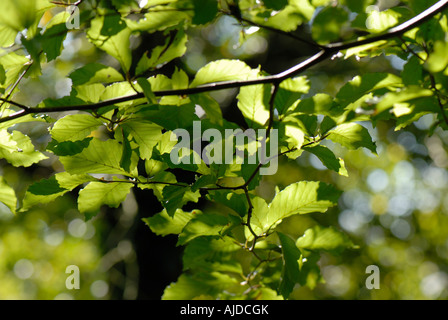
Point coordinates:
[[352, 136], [96, 194]]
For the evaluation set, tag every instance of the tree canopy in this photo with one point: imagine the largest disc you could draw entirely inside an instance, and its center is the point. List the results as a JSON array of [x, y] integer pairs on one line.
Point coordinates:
[[284, 146]]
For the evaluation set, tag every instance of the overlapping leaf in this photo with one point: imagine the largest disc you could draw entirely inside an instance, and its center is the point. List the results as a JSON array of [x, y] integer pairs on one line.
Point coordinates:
[[96, 194], [101, 157]]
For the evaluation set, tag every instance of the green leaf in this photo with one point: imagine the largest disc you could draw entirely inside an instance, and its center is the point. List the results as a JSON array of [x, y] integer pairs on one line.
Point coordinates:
[[170, 117], [407, 113], [159, 19], [319, 238], [210, 106], [174, 197], [152, 167], [358, 5], [208, 253], [7, 195], [328, 23], [361, 86], [275, 4], [320, 103], [126, 156], [68, 148], [162, 224], [173, 48], [90, 93], [438, 58], [204, 181], [24, 154], [261, 221], [301, 198], [253, 102], [54, 35], [21, 14], [96, 194], [102, 157], [223, 70], [379, 21], [14, 65], [64, 101], [206, 224], [189, 287], [204, 11], [145, 133], [47, 190], [93, 73], [7, 143], [42, 192], [412, 73], [291, 269], [291, 129], [298, 198], [236, 202], [120, 89], [407, 94], [352, 136], [7, 36], [2, 74], [329, 159], [110, 33], [75, 127], [166, 143], [373, 49], [290, 90], [154, 184], [290, 17]]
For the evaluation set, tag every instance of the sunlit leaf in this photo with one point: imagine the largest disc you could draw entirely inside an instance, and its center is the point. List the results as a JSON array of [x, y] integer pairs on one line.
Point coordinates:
[[95, 72], [102, 157], [163, 224], [145, 134], [96, 194], [174, 47], [352, 136], [54, 35], [438, 59], [75, 127], [110, 33], [223, 70], [7, 195], [329, 159], [47, 190], [327, 239], [253, 102], [204, 225], [24, 154], [328, 23]]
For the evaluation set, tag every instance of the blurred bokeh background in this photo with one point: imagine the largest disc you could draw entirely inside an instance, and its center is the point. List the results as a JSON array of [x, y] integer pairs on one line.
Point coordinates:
[[394, 205]]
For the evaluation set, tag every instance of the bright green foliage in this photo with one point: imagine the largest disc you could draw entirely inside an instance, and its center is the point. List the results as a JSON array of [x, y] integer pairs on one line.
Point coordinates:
[[327, 239], [121, 132], [96, 194]]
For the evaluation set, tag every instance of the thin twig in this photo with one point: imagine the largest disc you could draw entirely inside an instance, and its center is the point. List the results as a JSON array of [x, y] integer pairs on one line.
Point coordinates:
[[14, 86]]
